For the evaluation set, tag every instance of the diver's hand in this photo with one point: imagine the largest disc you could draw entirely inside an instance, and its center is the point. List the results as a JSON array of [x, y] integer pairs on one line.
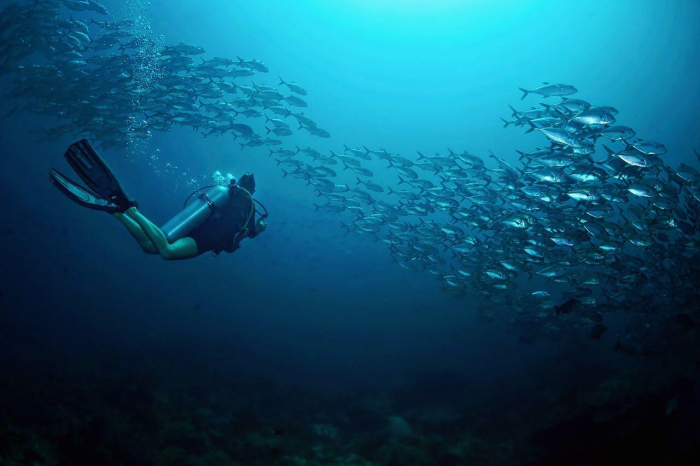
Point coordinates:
[[260, 226]]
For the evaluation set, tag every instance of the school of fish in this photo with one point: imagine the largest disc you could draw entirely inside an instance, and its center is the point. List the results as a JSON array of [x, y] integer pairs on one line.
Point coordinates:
[[184, 90], [594, 212]]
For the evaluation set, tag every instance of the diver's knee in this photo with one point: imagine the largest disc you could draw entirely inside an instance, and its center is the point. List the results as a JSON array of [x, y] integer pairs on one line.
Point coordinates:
[[166, 254]]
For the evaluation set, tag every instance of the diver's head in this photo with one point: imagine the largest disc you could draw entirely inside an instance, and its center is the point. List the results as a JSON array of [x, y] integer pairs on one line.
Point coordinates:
[[247, 182]]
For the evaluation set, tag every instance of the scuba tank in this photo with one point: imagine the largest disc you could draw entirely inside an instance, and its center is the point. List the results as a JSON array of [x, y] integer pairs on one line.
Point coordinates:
[[197, 212]]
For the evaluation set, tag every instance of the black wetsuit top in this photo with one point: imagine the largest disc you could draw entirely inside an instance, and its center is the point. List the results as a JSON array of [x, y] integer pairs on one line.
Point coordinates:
[[219, 231]]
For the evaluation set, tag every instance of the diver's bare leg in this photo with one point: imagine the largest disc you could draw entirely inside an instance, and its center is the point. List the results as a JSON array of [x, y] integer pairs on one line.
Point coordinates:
[[137, 233], [184, 248]]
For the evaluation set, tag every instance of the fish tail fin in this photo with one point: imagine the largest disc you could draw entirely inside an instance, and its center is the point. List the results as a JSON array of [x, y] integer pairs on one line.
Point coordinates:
[[242, 145], [366, 150], [420, 156], [359, 181], [345, 147], [298, 150], [317, 207], [281, 81], [506, 123], [525, 93], [268, 130], [333, 154], [285, 173], [402, 181], [531, 128], [515, 112]]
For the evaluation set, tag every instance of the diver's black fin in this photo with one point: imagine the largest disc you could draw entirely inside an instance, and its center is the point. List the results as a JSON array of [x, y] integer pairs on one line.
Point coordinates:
[[96, 174], [80, 195]]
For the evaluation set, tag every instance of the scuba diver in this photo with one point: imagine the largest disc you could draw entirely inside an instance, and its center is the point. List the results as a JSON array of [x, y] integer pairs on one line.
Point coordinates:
[[216, 221]]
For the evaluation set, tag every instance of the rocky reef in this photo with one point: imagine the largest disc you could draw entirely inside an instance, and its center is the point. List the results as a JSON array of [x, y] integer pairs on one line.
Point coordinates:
[[126, 413]]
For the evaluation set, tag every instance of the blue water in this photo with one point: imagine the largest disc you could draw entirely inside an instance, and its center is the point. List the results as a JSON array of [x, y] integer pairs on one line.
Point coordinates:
[[307, 304]]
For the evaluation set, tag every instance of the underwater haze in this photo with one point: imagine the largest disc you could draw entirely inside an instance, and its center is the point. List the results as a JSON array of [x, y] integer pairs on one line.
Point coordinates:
[[443, 280]]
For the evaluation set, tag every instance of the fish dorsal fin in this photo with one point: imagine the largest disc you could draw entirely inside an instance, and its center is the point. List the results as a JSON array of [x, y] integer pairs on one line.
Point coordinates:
[[545, 83]]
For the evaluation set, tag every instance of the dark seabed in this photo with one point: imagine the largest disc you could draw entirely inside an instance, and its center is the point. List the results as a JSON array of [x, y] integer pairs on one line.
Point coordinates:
[[433, 289]]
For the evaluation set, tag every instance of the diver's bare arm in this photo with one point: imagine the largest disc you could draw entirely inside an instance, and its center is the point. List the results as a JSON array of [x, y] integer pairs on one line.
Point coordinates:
[[184, 248], [137, 233], [258, 227]]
